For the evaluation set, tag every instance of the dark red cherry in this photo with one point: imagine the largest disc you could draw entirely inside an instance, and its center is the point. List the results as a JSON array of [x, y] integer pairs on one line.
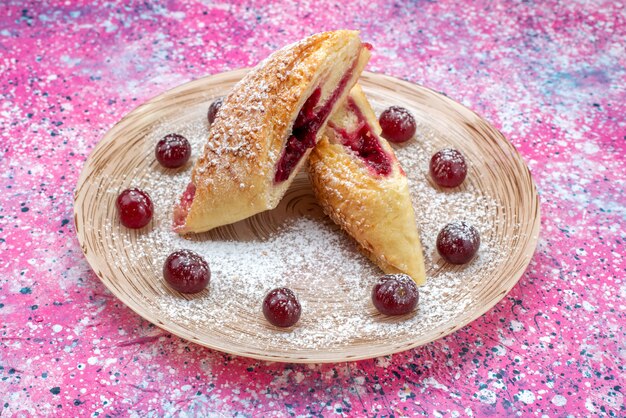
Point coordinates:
[[213, 108], [458, 242], [281, 307], [173, 151], [186, 271], [135, 208], [398, 124], [395, 294], [448, 167]]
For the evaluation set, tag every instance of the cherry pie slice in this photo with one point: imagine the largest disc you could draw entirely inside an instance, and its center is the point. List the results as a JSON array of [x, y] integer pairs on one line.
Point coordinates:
[[361, 187], [266, 129]]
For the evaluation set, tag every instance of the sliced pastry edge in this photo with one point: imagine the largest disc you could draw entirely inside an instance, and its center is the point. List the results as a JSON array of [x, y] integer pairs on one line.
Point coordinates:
[[366, 195], [248, 162]]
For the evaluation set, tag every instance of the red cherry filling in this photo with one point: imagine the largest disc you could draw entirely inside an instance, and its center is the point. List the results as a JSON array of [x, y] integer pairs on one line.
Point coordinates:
[[304, 132], [182, 209], [135, 208], [365, 144], [173, 151], [398, 124], [302, 137], [448, 167], [395, 294], [281, 307], [186, 271], [458, 242], [307, 113]]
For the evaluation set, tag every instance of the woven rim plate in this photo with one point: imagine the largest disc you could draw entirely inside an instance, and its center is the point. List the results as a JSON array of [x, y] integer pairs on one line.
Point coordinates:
[[338, 322]]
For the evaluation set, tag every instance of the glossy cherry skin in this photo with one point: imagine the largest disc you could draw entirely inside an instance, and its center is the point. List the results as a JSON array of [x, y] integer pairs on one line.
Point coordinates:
[[135, 208], [213, 108], [398, 124], [281, 307], [448, 168], [173, 151], [395, 294], [186, 271], [458, 242]]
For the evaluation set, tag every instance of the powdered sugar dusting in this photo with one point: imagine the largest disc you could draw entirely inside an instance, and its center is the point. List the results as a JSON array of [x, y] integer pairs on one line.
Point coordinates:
[[314, 258]]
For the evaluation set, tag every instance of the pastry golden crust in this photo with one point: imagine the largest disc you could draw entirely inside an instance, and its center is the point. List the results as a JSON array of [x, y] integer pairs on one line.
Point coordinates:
[[236, 176], [369, 199]]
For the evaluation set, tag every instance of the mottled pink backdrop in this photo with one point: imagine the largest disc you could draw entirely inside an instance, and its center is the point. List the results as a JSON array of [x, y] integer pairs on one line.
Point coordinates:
[[551, 75]]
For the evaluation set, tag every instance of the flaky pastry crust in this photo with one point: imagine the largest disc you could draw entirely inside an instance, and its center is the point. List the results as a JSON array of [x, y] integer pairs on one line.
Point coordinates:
[[234, 178], [375, 210]]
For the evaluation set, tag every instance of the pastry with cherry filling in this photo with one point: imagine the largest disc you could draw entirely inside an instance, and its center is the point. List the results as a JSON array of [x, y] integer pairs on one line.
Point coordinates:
[[361, 186], [266, 128]]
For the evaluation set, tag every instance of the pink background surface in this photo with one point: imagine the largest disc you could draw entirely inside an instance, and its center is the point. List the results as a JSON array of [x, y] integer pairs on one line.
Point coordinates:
[[551, 75]]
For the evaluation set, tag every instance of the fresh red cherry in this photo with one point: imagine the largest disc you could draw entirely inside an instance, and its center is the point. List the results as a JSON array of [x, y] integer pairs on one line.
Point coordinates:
[[173, 151], [448, 167], [213, 108], [186, 271], [398, 124], [458, 242], [395, 294], [281, 307], [135, 208]]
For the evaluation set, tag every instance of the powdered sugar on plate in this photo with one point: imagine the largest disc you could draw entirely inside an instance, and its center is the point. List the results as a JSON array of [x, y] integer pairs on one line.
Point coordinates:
[[309, 254]]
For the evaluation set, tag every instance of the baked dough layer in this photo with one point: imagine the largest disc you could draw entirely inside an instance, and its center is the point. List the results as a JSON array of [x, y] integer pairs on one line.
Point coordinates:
[[375, 209], [234, 178]]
